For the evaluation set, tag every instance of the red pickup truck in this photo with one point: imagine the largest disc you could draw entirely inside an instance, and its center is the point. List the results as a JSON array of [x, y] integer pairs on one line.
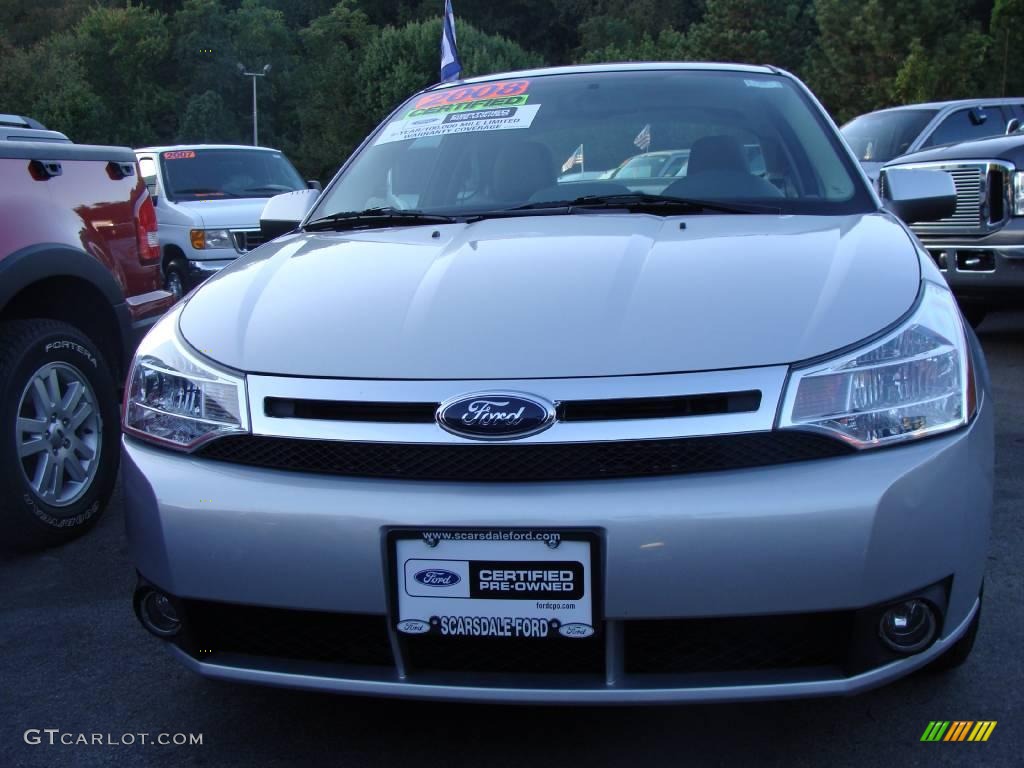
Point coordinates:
[[79, 284]]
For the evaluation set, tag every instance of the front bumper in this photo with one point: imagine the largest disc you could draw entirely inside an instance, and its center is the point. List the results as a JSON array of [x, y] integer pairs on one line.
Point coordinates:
[[987, 270], [822, 536], [199, 270]]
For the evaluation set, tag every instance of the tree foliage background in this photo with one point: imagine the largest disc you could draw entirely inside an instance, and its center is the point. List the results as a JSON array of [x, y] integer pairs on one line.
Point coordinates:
[[138, 73]]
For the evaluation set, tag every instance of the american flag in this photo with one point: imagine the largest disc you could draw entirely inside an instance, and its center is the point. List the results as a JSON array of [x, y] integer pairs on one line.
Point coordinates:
[[643, 139], [576, 158], [451, 66]]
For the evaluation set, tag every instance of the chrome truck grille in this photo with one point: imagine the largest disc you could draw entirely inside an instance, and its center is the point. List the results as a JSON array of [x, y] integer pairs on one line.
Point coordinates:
[[247, 239], [982, 197]]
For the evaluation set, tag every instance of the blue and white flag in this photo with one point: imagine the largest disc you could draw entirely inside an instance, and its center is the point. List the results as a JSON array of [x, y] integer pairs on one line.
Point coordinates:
[[576, 158], [643, 139], [451, 67]]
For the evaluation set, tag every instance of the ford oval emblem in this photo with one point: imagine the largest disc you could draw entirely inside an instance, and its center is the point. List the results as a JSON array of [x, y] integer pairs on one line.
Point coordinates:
[[414, 627], [437, 577], [576, 630], [495, 415]]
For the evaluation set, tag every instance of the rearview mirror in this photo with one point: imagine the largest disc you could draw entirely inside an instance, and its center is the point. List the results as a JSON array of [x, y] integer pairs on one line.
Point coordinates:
[[282, 213], [918, 195]]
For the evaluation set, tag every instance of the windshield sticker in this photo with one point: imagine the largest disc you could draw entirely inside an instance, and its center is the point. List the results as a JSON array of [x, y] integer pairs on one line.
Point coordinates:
[[472, 121], [469, 106], [470, 93], [763, 83], [181, 154]]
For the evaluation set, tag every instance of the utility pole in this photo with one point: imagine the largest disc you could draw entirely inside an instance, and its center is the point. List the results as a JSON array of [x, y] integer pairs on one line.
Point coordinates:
[[255, 113]]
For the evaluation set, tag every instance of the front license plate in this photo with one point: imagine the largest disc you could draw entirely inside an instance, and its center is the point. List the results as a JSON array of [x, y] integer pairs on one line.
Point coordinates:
[[507, 583]]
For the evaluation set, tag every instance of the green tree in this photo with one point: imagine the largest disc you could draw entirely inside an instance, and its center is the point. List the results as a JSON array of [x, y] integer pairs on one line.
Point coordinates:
[[400, 61], [207, 121], [331, 116], [881, 52], [1007, 29], [48, 82], [260, 36], [778, 32], [125, 57]]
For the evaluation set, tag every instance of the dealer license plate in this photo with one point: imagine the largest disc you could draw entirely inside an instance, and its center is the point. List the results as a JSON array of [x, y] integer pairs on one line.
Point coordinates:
[[505, 583]]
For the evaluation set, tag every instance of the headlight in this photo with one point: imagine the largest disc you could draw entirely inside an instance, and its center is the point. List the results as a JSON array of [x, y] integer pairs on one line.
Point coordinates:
[[913, 382], [203, 239], [177, 400], [1018, 193]]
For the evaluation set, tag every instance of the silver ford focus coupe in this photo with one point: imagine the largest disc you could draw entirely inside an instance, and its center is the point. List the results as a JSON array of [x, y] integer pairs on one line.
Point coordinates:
[[491, 421]]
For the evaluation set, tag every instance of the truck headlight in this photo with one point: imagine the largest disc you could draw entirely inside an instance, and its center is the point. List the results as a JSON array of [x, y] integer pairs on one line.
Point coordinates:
[[1018, 193], [175, 399], [913, 382], [203, 239]]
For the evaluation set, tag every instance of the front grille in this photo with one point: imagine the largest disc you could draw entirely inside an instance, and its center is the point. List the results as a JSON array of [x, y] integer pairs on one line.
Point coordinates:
[[687, 646], [481, 462], [247, 239], [343, 638], [659, 647], [981, 190], [609, 409]]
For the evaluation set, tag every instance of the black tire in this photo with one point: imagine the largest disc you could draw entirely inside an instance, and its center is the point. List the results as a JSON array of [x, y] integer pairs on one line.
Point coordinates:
[[27, 520], [961, 649], [174, 279]]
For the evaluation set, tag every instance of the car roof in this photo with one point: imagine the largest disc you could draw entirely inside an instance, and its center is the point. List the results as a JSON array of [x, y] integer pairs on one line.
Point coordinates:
[[958, 103], [176, 147], [648, 66]]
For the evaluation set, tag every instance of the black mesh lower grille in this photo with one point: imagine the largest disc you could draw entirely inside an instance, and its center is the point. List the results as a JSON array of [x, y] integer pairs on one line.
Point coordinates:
[[553, 655], [738, 644], [525, 462], [342, 638], [660, 647]]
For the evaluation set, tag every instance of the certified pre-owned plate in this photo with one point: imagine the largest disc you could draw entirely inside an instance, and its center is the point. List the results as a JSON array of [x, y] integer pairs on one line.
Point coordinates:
[[507, 583]]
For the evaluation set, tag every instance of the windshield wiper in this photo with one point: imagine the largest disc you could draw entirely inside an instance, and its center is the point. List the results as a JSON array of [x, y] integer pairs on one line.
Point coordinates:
[[635, 203], [270, 188], [372, 218], [204, 191]]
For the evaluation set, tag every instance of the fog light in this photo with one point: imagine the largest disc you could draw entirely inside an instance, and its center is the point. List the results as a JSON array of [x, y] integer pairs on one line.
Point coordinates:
[[908, 627], [158, 615]]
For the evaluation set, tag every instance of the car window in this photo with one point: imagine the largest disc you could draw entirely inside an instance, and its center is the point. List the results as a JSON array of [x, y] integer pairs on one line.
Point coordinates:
[[967, 125], [882, 136], [683, 133], [193, 174]]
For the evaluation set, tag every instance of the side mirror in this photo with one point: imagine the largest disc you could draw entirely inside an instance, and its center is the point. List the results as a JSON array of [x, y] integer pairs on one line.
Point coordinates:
[[314, 184], [282, 213], [1013, 125], [918, 195]]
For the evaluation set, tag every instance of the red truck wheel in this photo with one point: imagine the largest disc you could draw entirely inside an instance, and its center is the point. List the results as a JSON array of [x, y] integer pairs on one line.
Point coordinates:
[[58, 408]]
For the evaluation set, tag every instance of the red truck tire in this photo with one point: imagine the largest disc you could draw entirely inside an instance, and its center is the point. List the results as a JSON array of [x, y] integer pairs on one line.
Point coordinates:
[[59, 433]]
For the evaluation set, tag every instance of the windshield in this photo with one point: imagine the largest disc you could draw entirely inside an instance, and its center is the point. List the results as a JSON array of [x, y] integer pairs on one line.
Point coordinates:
[[882, 136], [695, 135], [192, 174]]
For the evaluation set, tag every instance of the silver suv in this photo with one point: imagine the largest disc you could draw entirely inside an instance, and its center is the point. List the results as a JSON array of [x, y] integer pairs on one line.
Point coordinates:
[[470, 431]]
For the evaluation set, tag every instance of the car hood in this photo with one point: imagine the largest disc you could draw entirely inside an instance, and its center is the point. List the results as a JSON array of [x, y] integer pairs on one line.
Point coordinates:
[[557, 296], [998, 148], [231, 213]]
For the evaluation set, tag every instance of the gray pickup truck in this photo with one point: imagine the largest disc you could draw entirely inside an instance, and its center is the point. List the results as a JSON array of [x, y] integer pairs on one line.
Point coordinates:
[[980, 248]]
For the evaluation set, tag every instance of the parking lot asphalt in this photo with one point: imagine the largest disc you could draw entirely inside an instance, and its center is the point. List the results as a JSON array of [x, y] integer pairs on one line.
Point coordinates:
[[73, 658]]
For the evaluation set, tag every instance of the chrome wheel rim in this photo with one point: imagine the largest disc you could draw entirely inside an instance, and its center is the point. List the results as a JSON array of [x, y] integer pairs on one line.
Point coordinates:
[[58, 434]]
